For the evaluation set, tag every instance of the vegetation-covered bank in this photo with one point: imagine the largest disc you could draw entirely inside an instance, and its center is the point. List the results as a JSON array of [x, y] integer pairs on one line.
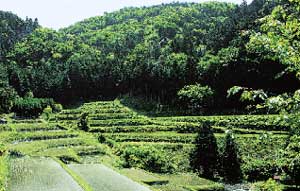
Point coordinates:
[[4, 171], [184, 54]]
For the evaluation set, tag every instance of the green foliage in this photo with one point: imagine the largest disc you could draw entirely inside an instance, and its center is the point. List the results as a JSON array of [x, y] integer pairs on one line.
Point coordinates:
[[101, 138], [7, 98], [292, 161], [31, 107], [146, 157], [145, 50], [12, 29], [269, 185], [57, 108], [205, 158], [83, 123], [254, 122], [29, 95], [47, 112], [196, 96], [284, 103], [3, 172], [247, 94], [151, 52], [278, 37], [211, 187], [231, 162]]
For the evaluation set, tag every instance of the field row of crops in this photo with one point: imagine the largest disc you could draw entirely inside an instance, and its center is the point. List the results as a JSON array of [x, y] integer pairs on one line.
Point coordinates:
[[164, 144], [156, 145]]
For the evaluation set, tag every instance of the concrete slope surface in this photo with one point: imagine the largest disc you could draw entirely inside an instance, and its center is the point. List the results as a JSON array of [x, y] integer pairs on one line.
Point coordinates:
[[102, 178], [40, 174]]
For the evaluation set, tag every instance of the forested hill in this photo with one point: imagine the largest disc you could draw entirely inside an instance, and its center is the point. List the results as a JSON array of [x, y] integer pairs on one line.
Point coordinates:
[[156, 51], [13, 29]]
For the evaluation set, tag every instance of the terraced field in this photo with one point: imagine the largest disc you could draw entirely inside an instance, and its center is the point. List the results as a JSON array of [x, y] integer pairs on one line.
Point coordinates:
[[174, 136], [33, 144], [123, 129]]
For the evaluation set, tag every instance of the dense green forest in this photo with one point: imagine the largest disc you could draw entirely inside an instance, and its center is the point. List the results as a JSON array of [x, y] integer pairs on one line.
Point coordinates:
[[133, 90], [184, 53]]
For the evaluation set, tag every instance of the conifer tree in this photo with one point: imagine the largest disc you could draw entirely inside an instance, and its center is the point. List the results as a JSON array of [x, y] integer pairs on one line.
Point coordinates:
[[231, 161], [204, 159]]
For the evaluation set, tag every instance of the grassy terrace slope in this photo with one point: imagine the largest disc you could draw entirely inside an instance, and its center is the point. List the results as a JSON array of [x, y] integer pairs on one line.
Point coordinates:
[[48, 139], [174, 136], [33, 142], [130, 140]]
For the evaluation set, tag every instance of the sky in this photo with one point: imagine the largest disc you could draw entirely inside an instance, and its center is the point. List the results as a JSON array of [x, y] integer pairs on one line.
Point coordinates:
[[62, 13]]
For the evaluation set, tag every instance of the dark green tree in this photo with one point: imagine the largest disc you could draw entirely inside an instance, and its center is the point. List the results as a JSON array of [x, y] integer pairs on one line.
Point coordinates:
[[83, 123], [231, 163], [292, 161], [205, 158]]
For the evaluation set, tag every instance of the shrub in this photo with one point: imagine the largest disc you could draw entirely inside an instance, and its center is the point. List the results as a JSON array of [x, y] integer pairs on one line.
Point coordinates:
[[247, 94], [292, 162], [57, 108], [196, 96], [31, 107], [101, 138], [83, 123], [270, 185], [204, 159], [29, 94], [7, 97], [47, 112], [258, 169], [146, 157]]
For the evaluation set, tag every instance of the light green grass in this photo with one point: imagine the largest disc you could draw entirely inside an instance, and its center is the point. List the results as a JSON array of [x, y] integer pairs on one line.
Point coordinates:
[[4, 171], [169, 182]]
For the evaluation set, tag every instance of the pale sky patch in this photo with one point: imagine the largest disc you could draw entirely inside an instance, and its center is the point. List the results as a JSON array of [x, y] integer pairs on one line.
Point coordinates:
[[62, 13]]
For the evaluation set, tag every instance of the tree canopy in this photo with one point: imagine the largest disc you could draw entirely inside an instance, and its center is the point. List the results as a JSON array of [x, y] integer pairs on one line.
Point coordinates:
[[156, 51]]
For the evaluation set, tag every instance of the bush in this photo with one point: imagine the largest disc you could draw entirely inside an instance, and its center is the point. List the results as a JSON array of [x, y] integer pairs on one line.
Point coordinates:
[[47, 112], [31, 107], [196, 96], [83, 123], [292, 160], [146, 157], [258, 169], [7, 98], [57, 108], [101, 138], [29, 94], [270, 185]]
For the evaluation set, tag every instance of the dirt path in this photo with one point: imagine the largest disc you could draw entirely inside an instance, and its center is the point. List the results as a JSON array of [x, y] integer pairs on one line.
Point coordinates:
[[102, 178]]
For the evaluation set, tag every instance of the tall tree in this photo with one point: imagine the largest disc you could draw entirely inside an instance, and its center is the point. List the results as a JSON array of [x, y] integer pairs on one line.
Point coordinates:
[[231, 161], [205, 158]]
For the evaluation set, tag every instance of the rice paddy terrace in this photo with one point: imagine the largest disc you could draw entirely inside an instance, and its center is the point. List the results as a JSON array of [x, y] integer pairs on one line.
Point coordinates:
[[55, 155]]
